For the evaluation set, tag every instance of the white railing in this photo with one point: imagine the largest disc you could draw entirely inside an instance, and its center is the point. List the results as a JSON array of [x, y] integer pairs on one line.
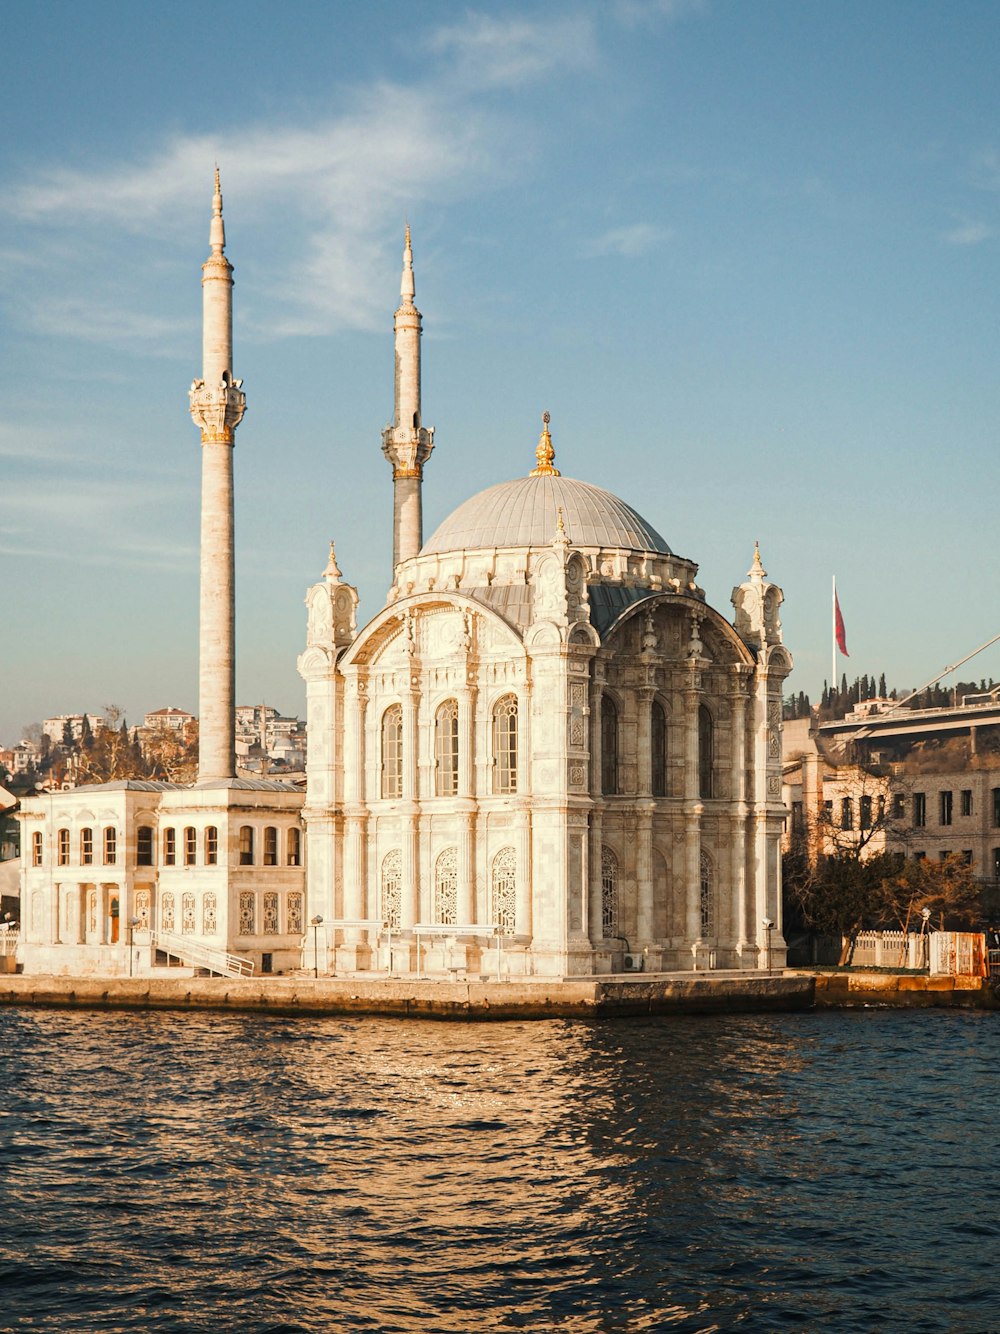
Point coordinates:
[[889, 949], [197, 955], [9, 936]]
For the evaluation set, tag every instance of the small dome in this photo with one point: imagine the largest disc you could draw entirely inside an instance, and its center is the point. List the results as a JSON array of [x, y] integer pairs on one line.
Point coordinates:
[[525, 513]]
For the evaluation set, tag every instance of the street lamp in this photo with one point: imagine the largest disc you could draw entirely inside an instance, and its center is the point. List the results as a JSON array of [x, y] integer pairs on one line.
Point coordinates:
[[133, 922], [317, 922], [767, 924]]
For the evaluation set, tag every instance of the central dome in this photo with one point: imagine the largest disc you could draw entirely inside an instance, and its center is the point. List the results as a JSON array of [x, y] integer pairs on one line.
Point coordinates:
[[525, 513]]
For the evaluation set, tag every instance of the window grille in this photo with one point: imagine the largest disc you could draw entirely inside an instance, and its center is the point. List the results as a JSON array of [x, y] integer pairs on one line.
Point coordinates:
[[187, 913], [392, 889], [504, 890], [209, 914], [167, 912], [142, 906], [248, 913], [446, 888], [609, 894], [270, 913], [707, 899], [295, 911]]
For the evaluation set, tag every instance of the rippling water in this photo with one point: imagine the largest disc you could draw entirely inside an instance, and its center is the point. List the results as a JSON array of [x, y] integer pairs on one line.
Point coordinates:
[[184, 1172]]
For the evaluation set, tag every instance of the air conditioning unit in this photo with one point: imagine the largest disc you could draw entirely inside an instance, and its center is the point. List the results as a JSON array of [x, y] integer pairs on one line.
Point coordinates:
[[634, 963]]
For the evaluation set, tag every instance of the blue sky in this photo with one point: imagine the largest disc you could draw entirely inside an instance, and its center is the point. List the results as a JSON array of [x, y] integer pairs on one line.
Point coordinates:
[[747, 255]]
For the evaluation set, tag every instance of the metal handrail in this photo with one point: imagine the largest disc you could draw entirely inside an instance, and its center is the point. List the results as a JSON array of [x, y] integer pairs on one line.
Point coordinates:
[[197, 955]]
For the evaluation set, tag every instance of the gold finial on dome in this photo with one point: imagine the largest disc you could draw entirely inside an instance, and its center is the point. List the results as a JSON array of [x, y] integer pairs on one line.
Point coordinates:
[[544, 453]]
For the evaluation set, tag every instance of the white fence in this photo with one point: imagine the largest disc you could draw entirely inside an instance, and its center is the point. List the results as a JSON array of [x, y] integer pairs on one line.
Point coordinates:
[[889, 949]]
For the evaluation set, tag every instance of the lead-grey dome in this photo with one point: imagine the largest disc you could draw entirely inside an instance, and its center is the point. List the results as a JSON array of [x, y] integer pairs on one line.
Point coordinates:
[[525, 513]]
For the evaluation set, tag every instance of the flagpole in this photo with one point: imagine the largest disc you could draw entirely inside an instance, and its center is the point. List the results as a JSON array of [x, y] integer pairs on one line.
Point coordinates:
[[833, 629]]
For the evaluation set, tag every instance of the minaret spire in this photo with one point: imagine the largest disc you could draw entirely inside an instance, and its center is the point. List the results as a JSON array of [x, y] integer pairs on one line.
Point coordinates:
[[217, 407], [407, 444]]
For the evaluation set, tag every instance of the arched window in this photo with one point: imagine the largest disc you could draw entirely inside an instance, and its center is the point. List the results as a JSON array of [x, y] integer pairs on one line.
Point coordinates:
[[446, 749], [293, 847], [211, 845], [392, 752], [169, 847], [392, 889], [505, 744], [270, 848], [36, 848], [446, 888], [707, 899], [609, 745], [706, 751], [62, 847], [144, 845], [190, 847], [86, 847], [504, 891], [609, 894], [658, 749], [246, 846], [110, 845]]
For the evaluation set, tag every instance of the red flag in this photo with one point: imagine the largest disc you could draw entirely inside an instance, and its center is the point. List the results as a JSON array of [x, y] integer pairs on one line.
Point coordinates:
[[838, 624]]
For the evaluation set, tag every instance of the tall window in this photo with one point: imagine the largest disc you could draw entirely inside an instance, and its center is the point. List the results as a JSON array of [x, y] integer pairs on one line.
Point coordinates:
[[996, 863], [187, 913], [392, 889], [946, 807], [144, 845], [248, 913], [996, 806], [920, 809], [609, 893], [504, 891], [190, 847], [86, 847], [36, 848], [707, 899], [706, 752], [446, 888], [170, 847], [505, 744], [865, 811], [293, 848], [270, 913], [270, 846], [446, 749], [846, 813], [609, 745], [658, 749], [167, 912], [62, 847], [110, 845], [209, 915], [246, 845], [294, 912], [967, 801], [211, 846], [142, 908], [392, 752]]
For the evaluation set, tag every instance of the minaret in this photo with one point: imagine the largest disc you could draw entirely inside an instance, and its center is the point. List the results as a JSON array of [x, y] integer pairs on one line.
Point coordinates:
[[217, 406], [406, 443]]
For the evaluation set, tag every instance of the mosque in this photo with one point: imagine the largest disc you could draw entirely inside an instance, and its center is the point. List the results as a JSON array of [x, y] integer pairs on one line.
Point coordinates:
[[546, 755]]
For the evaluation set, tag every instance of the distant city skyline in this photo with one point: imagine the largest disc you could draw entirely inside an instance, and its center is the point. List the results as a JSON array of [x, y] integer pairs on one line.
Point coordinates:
[[746, 256]]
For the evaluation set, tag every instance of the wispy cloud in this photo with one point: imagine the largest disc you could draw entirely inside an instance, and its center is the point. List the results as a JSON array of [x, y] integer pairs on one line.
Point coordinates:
[[970, 233], [636, 13], [634, 238], [505, 52]]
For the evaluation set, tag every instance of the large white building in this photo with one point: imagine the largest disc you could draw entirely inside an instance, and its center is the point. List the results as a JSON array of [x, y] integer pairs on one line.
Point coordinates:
[[546, 754]]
